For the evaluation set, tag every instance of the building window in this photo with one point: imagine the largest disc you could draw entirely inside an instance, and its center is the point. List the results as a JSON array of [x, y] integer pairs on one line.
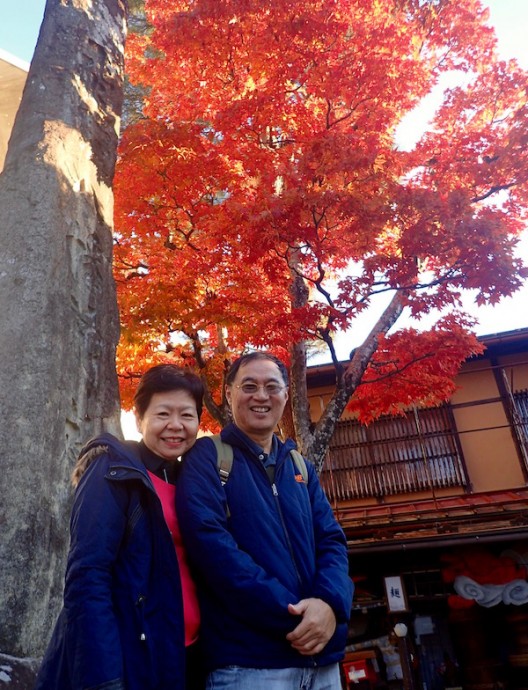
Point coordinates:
[[415, 452], [520, 419]]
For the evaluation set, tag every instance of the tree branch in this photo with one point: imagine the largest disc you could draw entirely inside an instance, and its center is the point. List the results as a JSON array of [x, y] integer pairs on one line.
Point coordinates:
[[347, 384]]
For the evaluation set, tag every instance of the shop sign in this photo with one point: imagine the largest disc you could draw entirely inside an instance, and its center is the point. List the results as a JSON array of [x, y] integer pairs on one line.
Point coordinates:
[[396, 596]]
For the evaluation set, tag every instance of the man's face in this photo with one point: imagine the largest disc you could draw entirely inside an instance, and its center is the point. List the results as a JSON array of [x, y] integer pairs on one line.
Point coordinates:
[[257, 412]]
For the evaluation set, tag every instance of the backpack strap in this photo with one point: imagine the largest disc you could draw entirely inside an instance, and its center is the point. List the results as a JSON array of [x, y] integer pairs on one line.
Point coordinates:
[[300, 464], [224, 460], [224, 457]]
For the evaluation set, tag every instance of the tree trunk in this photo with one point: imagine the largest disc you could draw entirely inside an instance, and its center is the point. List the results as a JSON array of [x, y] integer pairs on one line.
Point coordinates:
[[299, 403], [57, 299]]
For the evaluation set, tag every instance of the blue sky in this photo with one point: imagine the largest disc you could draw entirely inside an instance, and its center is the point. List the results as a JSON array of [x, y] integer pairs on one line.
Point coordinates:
[[19, 26], [20, 22]]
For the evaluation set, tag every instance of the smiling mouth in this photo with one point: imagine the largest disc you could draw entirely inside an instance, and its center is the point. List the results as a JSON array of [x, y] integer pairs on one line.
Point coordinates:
[[260, 410]]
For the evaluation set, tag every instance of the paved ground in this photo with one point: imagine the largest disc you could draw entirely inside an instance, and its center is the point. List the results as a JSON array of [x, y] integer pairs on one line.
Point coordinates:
[[17, 674]]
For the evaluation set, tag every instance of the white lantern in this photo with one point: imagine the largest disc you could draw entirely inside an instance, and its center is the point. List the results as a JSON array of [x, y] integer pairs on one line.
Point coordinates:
[[400, 629]]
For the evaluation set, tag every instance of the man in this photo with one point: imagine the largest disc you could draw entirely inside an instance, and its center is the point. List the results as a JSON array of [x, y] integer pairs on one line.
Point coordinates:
[[269, 558]]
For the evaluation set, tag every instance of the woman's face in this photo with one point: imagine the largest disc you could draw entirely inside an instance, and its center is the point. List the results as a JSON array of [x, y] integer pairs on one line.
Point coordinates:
[[170, 424]]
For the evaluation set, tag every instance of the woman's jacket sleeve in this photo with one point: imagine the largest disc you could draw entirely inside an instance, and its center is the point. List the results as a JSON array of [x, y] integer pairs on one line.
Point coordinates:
[[97, 528]]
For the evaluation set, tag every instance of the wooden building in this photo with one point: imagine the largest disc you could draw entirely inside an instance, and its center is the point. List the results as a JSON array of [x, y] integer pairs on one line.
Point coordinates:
[[13, 75], [435, 509]]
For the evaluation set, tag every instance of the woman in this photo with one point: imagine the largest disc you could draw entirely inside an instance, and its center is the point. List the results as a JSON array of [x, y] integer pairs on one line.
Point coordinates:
[[130, 617]]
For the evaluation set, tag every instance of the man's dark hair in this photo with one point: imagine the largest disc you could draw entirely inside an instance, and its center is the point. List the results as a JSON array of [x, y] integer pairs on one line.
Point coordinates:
[[251, 357], [167, 377]]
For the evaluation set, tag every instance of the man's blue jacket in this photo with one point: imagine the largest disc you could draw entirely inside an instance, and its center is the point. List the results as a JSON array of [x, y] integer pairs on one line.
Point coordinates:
[[256, 547], [122, 622]]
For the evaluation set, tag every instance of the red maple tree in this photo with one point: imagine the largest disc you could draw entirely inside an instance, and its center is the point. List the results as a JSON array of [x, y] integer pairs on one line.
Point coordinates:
[[264, 199]]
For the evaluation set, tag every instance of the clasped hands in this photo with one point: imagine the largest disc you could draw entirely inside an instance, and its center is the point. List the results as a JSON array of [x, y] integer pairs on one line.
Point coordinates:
[[316, 627]]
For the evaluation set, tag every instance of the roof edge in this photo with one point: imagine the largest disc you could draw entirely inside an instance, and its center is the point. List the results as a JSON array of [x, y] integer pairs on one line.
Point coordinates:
[[489, 340], [13, 60]]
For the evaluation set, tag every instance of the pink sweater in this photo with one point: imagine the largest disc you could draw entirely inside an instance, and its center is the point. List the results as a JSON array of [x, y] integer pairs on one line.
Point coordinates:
[[191, 612]]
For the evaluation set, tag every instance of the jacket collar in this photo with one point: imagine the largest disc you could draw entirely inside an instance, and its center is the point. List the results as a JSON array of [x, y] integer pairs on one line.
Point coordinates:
[[238, 439], [126, 451], [158, 466]]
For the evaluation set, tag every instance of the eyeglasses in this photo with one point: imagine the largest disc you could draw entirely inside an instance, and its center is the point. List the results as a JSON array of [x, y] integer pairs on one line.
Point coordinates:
[[252, 388]]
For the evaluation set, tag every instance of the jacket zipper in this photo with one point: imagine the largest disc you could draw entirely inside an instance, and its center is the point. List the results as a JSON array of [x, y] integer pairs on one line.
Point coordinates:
[[286, 533], [140, 603], [290, 548]]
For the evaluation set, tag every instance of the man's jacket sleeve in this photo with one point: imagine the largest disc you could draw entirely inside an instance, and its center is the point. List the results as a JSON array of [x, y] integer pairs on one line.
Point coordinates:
[[333, 583]]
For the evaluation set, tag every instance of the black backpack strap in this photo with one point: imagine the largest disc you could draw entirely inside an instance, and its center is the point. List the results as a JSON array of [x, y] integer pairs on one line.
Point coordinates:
[[224, 458]]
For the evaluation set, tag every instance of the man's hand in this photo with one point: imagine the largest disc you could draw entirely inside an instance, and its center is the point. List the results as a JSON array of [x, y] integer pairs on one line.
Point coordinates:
[[316, 628]]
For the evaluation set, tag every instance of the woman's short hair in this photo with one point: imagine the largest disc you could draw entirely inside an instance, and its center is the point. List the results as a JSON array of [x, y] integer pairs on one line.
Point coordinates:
[[251, 357], [167, 377]]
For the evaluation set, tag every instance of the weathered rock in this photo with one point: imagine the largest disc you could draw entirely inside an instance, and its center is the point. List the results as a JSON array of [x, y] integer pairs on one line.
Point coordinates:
[[58, 384], [18, 674]]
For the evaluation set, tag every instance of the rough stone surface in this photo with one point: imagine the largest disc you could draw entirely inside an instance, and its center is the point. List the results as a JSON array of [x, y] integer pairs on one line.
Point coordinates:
[[58, 384], [18, 674]]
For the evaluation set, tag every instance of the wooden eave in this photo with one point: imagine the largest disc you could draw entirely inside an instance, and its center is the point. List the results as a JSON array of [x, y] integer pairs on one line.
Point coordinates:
[[474, 516]]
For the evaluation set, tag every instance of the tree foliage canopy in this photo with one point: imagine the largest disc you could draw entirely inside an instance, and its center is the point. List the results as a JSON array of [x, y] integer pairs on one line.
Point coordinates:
[[266, 198]]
